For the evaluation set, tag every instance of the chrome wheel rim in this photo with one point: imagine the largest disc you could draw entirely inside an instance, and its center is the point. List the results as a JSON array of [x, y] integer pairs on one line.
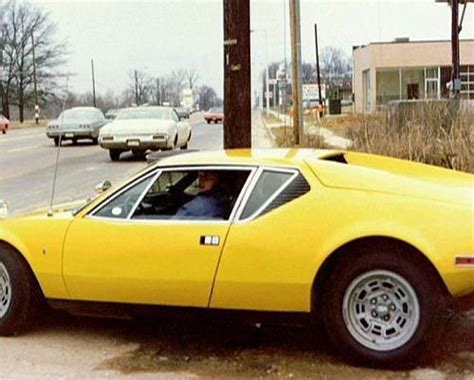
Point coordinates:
[[5, 290], [381, 310]]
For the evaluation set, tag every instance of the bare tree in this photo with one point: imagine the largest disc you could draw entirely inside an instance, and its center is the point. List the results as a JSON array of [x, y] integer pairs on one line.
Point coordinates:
[[334, 63], [192, 77], [207, 97], [23, 23], [140, 87]]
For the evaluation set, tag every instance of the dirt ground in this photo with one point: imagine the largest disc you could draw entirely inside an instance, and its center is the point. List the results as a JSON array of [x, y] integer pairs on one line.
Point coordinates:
[[64, 347]]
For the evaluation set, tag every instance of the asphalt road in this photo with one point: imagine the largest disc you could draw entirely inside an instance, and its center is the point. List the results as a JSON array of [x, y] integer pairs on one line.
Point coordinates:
[[28, 158]]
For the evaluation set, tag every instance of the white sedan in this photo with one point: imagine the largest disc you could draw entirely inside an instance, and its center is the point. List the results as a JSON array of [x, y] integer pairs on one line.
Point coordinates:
[[144, 128]]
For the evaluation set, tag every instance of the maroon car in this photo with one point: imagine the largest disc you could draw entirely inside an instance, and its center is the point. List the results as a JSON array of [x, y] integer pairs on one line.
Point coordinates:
[[4, 122]]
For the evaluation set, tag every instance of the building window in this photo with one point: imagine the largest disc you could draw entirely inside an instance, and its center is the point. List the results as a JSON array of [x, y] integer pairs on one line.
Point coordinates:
[[432, 83], [388, 85], [366, 90], [413, 84], [467, 82]]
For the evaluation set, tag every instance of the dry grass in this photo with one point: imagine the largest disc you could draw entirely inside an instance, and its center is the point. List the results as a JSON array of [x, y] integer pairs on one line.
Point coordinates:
[[438, 134], [27, 124]]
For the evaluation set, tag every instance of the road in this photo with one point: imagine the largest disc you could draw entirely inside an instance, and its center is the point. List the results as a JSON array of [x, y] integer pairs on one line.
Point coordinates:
[[28, 160]]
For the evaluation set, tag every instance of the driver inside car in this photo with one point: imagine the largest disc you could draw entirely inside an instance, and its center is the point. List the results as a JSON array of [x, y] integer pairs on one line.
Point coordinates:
[[207, 204]]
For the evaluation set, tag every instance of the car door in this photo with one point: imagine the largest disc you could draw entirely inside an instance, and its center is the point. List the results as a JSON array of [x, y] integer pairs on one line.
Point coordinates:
[[116, 254], [268, 261]]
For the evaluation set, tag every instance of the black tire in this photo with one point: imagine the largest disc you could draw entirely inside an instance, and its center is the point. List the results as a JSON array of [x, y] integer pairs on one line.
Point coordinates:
[[208, 121], [56, 141], [4, 131], [394, 260], [95, 141], [114, 154], [25, 294], [74, 141]]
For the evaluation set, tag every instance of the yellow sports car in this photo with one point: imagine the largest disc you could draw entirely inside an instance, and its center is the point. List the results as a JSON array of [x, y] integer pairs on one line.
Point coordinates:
[[375, 248]]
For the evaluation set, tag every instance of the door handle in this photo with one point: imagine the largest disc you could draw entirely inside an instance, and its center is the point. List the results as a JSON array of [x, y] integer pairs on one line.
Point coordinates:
[[209, 240]]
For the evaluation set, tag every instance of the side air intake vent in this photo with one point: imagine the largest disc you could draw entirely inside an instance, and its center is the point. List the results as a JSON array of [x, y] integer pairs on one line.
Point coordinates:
[[336, 158], [295, 189]]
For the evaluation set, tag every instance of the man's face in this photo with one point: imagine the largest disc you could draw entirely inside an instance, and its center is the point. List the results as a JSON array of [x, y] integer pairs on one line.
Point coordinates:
[[207, 180]]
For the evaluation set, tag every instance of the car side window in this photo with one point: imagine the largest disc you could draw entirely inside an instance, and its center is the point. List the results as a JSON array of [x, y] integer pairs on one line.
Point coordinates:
[[194, 194], [123, 204], [269, 183]]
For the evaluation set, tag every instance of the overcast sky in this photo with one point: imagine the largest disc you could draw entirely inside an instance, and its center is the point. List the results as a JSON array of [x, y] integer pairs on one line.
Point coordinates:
[[159, 36]]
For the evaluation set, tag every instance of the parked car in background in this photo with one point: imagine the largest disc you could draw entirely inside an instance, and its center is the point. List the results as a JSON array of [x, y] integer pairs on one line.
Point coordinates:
[[112, 113], [75, 124], [215, 114], [373, 248], [183, 112], [139, 129], [4, 124]]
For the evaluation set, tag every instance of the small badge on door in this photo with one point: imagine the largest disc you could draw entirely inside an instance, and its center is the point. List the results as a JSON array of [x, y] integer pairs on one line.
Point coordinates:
[[210, 240]]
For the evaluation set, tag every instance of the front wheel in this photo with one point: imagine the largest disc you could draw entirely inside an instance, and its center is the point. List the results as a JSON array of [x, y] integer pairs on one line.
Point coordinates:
[[18, 295], [114, 154], [381, 308], [56, 141]]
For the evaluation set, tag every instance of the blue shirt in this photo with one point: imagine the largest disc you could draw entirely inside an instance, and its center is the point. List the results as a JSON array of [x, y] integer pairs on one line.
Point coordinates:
[[203, 206]]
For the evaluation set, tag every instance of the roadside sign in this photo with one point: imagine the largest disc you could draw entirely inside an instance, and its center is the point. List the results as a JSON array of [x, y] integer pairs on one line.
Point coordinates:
[[311, 92]]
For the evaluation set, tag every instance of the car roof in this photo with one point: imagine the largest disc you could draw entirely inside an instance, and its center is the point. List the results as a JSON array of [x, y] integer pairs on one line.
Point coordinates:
[[147, 108], [84, 108], [278, 157]]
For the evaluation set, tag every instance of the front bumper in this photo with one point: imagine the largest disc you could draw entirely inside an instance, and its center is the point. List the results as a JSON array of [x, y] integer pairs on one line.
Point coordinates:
[[135, 142]]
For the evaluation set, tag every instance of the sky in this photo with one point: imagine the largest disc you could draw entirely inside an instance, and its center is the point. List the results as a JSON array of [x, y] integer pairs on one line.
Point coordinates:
[[162, 35]]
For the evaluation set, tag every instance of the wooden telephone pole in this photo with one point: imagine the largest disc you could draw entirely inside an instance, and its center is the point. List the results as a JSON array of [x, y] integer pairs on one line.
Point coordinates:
[[237, 100], [296, 62]]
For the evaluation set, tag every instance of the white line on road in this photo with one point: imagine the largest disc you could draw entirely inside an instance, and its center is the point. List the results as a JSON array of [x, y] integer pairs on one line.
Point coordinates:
[[23, 148]]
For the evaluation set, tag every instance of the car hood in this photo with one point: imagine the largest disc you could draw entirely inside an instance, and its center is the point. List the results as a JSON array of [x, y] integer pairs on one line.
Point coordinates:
[[367, 172], [118, 127]]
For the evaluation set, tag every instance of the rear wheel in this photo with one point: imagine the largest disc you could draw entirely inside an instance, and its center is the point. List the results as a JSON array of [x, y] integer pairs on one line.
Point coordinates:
[[114, 154], [381, 308], [208, 121], [95, 140], [18, 293], [4, 131]]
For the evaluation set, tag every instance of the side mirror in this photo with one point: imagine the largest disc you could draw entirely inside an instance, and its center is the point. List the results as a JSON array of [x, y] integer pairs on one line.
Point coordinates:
[[3, 209], [103, 187]]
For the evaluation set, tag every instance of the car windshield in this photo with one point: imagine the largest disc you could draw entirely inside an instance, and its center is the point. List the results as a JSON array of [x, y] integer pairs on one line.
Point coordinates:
[[145, 113], [76, 114]]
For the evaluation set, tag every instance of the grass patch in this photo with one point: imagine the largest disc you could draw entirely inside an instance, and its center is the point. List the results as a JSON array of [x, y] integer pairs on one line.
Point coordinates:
[[27, 124], [435, 134]]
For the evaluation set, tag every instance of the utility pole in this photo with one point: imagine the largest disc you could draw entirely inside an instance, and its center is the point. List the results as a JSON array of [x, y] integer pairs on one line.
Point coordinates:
[[158, 97], [35, 86], [93, 83], [237, 87], [296, 58], [318, 71], [136, 88], [455, 78]]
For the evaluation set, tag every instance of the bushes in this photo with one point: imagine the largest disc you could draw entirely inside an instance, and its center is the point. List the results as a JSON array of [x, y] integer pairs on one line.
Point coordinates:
[[436, 133]]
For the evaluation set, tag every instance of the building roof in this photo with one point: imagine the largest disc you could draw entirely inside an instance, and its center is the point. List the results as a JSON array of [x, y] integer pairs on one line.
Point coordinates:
[[406, 40]]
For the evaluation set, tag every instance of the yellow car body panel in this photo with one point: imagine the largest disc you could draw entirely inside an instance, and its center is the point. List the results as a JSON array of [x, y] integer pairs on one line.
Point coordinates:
[[39, 239], [268, 263], [156, 262]]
